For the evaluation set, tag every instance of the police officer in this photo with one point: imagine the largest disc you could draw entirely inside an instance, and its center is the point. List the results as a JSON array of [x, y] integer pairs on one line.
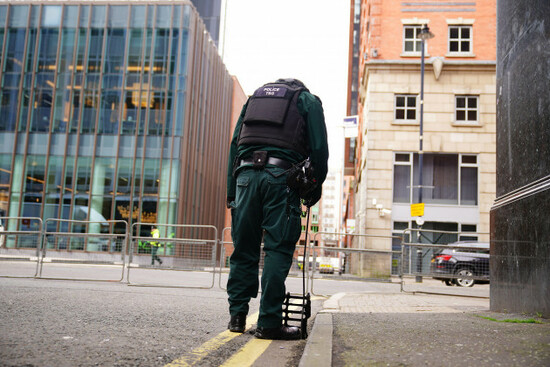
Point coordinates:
[[155, 233], [281, 125]]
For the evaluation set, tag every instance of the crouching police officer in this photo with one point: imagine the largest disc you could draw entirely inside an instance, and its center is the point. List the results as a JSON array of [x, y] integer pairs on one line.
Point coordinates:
[[280, 130]]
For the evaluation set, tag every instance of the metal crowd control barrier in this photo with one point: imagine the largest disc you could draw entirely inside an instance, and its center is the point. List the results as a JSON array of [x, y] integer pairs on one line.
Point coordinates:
[[295, 269], [379, 263], [180, 248], [224, 257], [68, 242], [20, 242], [441, 256]]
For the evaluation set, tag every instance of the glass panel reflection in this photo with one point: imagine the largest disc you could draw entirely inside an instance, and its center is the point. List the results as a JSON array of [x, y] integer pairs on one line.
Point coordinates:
[[34, 185]]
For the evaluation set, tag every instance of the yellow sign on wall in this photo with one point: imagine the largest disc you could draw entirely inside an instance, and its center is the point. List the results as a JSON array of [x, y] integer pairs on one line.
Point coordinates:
[[417, 210]]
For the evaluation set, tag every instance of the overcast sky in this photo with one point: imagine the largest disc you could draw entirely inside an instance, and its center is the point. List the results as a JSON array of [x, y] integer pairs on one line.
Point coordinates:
[[304, 39]]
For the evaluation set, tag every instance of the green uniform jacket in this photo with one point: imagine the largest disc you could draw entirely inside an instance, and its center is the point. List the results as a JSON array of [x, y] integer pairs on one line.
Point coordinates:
[[311, 109]]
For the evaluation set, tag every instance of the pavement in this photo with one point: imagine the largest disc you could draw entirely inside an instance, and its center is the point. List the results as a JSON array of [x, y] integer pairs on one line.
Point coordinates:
[[417, 329]]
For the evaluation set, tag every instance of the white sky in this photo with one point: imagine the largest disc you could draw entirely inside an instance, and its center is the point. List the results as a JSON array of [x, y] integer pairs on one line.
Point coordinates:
[[304, 39]]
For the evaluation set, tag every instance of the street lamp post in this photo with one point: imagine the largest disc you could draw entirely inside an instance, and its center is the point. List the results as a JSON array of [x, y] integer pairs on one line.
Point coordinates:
[[424, 35]]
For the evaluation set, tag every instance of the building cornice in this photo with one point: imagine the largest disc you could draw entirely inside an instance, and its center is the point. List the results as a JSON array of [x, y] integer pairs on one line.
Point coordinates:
[[430, 61], [414, 66]]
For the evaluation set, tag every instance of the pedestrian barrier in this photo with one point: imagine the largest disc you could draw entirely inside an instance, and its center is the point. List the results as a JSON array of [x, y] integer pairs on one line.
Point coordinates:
[[179, 247], [372, 259], [440, 256], [226, 243], [20, 246], [66, 243], [58, 249]]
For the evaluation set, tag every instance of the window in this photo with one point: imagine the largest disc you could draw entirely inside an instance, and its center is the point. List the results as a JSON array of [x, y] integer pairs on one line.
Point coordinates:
[[460, 39], [468, 180], [411, 39], [466, 109], [465, 230], [405, 108], [449, 179], [351, 153]]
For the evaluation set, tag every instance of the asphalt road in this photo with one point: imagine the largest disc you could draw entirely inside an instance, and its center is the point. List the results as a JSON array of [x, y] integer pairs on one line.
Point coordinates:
[[90, 323]]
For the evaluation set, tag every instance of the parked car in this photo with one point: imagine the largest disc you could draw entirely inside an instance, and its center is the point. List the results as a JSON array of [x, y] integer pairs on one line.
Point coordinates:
[[463, 264]]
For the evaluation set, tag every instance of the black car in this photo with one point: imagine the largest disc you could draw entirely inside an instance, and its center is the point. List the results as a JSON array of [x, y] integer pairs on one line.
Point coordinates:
[[463, 264]]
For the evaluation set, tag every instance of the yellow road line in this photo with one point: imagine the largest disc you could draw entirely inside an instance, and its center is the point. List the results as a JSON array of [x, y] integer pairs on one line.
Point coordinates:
[[211, 345], [248, 354]]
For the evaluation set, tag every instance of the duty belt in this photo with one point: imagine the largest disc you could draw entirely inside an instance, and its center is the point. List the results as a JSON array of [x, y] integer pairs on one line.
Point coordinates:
[[281, 163]]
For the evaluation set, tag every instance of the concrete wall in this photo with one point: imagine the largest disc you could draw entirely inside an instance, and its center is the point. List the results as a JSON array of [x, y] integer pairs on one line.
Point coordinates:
[[520, 221]]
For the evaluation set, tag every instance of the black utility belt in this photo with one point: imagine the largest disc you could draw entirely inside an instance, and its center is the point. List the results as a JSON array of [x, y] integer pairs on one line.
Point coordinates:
[[260, 159]]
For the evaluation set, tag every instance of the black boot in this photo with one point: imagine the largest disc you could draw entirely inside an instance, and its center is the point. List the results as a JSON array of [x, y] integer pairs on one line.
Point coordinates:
[[279, 333], [237, 323]]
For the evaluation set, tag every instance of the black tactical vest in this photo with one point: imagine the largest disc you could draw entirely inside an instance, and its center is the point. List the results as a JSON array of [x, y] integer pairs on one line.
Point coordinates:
[[272, 118]]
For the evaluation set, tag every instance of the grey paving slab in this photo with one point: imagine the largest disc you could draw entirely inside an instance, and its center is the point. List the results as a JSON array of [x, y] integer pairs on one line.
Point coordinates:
[[405, 329]]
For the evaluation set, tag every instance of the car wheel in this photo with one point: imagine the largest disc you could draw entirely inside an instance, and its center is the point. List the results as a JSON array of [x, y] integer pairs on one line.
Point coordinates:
[[448, 282], [464, 272]]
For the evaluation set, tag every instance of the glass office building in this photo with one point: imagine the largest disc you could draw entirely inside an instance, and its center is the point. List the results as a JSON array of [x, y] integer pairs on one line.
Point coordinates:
[[210, 12], [112, 110]]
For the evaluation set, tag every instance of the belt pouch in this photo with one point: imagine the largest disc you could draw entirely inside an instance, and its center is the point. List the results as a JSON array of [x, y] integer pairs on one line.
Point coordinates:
[[259, 158]]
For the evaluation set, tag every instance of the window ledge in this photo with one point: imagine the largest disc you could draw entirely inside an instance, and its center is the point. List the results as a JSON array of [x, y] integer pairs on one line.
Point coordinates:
[[466, 124], [413, 54], [405, 122], [460, 54]]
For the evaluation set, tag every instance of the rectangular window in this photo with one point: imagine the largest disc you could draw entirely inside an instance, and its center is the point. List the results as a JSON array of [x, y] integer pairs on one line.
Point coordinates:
[[83, 176], [41, 110], [135, 51], [8, 109], [466, 109], [405, 108], [468, 232], [95, 49], [89, 111], [460, 39], [468, 180], [15, 50], [115, 47], [160, 52], [351, 155], [109, 114], [402, 178], [411, 39], [449, 179]]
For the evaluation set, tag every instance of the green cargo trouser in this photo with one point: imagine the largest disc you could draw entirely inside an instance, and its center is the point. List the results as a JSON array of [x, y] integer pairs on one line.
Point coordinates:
[[263, 205]]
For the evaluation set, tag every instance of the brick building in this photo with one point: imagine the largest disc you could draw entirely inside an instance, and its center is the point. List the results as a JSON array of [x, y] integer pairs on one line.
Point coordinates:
[[458, 176]]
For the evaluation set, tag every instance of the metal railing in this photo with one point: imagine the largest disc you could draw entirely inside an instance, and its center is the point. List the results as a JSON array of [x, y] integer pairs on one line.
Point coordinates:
[[461, 263], [378, 262], [66, 249], [180, 247], [66, 242], [20, 242]]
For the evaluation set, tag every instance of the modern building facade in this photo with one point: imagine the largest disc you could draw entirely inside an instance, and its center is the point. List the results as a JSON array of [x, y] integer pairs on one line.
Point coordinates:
[[458, 175], [210, 11], [112, 110]]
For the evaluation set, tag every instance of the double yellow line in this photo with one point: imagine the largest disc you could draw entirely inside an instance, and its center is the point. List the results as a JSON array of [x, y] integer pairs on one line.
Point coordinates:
[[246, 356]]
